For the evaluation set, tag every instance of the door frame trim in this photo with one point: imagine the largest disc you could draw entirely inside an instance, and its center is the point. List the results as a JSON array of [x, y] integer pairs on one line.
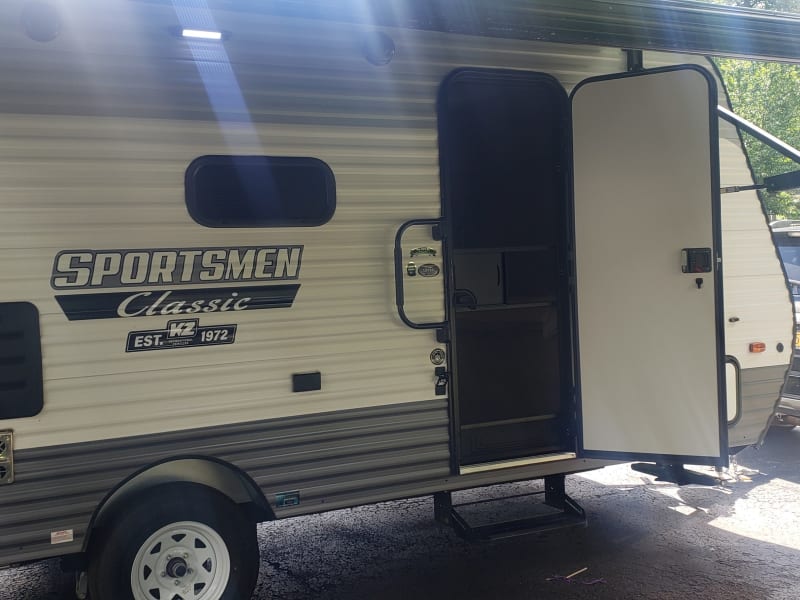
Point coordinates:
[[564, 301], [515, 462]]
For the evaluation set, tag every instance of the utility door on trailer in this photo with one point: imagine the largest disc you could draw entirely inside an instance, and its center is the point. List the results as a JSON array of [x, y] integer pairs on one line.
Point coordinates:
[[647, 268]]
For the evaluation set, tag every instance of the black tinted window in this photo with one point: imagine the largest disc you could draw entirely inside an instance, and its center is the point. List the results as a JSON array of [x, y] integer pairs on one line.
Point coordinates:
[[259, 191], [21, 387]]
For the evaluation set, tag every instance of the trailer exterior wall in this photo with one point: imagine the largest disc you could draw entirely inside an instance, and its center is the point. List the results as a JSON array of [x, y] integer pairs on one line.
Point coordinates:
[[73, 181], [97, 130]]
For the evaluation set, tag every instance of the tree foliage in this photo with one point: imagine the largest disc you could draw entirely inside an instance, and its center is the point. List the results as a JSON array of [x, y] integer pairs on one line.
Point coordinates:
[[768, 94], [776, 5]]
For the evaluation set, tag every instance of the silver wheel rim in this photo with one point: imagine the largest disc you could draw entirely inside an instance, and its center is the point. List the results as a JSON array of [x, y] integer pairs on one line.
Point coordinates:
[[181, 561]]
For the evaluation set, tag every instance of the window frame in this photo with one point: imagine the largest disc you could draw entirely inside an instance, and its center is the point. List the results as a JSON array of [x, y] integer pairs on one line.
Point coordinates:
[[193, 206]]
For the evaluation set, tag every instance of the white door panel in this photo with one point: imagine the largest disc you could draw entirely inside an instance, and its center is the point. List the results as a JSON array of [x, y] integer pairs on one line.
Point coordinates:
[[645, 187]]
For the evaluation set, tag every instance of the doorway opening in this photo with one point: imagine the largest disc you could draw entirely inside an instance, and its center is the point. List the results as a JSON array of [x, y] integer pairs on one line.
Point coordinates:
[[504, 158]]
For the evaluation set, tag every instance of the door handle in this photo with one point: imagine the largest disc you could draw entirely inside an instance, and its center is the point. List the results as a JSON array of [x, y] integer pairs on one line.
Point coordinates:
[[400, 270]]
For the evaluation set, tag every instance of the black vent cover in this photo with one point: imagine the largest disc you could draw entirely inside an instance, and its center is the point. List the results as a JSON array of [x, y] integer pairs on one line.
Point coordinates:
[[20, 361]]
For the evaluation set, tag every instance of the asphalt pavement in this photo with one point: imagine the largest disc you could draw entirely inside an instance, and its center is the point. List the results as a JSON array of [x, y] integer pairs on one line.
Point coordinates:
[[645, 539]]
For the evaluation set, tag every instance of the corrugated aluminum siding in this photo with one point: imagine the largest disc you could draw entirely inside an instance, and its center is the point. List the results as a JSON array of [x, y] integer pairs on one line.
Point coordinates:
[[760, 388], [282, 87], [71, 181], [332, 460]]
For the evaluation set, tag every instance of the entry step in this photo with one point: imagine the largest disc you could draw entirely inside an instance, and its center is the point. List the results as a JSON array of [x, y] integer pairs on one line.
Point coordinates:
[[511, 515]]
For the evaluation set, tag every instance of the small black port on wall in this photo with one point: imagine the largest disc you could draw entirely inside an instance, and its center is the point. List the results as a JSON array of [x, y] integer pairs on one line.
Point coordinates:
[[306, 382]]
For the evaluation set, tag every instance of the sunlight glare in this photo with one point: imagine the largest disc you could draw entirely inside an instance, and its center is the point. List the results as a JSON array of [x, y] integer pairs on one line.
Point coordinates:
[[748, 519]]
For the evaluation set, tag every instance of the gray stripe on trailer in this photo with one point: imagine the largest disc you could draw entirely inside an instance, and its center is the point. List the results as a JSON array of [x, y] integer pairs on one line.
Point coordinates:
[[761, 388], [333, 459]]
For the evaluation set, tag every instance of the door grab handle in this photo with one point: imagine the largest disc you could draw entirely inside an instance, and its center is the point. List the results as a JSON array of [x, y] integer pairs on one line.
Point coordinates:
[[399, 271]]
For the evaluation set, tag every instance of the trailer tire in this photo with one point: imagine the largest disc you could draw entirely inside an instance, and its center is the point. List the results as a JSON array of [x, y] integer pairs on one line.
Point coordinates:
[[184, 540]]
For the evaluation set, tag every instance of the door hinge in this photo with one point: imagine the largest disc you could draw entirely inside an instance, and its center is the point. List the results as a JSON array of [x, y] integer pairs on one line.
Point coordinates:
[[442, 377], [6, 457]]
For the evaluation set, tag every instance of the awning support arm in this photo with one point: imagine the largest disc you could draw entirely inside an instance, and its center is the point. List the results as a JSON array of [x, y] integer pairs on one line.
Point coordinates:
[[774, 183]]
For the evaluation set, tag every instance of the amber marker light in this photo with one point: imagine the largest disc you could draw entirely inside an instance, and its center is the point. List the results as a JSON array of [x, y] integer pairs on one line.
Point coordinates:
[[757, 347]]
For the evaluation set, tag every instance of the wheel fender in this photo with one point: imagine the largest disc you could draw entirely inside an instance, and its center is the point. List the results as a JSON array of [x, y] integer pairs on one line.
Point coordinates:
[[171, 538], [214, 473]]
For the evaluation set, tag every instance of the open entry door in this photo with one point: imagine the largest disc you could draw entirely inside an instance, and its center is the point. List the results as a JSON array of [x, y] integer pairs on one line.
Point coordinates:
[[651, 368]]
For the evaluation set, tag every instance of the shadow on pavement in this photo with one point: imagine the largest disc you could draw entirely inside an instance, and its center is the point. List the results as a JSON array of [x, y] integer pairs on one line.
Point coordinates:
[[644, 540]]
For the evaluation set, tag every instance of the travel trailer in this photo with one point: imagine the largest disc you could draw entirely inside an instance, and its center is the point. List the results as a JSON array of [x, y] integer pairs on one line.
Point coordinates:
[[266, 259]]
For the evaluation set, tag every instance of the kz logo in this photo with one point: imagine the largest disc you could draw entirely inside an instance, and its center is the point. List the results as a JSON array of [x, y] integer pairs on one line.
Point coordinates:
[[177, 329], [180, 333]]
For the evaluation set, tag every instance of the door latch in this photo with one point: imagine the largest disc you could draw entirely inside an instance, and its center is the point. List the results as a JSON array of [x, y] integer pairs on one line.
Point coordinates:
[[441, 380]]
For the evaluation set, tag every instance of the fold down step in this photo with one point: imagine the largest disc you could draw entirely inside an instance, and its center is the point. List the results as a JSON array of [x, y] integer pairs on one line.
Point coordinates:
[[511, 515]]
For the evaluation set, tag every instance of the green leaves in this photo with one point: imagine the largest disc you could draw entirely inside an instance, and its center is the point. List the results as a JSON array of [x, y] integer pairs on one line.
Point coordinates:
[[776, 5], [768, 94]]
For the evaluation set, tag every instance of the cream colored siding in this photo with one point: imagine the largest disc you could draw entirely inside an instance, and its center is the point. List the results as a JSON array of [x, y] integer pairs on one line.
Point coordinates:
[[74, 180], [98, 127], [71, 181]]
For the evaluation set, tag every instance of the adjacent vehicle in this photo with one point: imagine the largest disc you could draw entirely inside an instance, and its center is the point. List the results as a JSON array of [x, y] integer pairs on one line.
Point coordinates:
[[787, 238], [266, 259]]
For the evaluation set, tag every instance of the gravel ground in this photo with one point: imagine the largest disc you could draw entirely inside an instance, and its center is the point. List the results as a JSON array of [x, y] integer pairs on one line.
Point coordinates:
[[645, 539]]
